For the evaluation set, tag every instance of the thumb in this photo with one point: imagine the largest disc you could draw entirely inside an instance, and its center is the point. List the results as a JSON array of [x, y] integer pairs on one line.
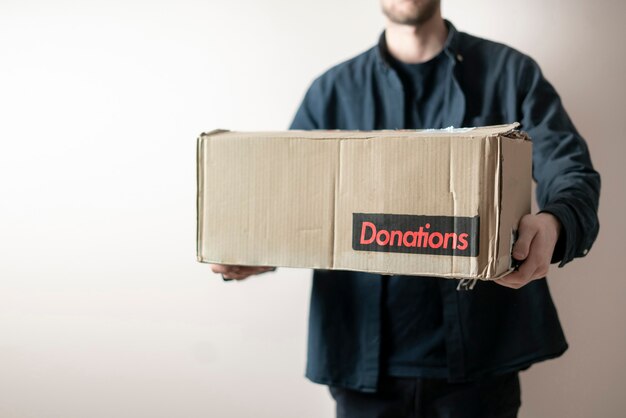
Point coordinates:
[[522, 245]]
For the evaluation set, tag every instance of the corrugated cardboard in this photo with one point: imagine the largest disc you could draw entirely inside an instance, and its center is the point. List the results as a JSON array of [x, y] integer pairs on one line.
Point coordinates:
[[443, 202]]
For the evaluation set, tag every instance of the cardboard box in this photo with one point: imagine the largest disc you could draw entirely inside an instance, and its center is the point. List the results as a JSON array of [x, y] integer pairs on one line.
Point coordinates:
[[441, 203]]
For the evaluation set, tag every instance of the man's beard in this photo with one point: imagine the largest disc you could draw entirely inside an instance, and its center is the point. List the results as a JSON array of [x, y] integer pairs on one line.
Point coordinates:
[[415, 16]]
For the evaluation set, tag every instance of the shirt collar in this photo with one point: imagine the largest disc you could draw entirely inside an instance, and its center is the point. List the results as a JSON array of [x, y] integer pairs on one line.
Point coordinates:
[[450, 47]]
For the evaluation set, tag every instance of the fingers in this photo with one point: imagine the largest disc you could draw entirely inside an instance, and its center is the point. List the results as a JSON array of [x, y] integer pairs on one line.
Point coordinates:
[[238, 272], [537, 237], [235, 276], [534, 267], [254, 269], [245, 272], [523, 275]]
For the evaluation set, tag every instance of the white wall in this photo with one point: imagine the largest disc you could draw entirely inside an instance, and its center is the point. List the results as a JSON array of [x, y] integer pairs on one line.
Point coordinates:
[[103, 308]]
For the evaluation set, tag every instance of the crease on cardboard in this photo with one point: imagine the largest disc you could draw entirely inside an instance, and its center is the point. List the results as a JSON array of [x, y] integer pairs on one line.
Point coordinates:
[[452, 191], [335, 203], [492, 169], [512, 131], [490, 205], [497, 191]]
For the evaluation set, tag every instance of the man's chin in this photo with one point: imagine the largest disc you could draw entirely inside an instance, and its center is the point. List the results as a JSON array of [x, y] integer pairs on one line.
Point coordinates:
[[411, 13]]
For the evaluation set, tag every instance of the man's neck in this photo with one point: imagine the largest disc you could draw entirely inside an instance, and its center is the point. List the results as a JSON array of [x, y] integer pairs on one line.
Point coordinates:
[[416, 44]]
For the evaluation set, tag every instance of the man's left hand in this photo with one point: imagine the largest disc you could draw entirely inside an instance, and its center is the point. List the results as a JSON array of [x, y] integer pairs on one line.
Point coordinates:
[[537, 238]]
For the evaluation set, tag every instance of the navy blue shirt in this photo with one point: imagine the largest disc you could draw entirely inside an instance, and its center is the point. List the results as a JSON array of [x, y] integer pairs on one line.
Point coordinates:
[[491, 329], [413, 329], [424, 90]]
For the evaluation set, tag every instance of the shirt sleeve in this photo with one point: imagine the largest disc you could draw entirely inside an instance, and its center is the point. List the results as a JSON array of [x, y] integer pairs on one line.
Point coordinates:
[[309, 113], [567, 184], [318, 109]]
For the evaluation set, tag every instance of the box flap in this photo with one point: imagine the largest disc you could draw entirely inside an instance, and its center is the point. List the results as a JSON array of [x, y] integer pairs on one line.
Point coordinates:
[[484, 131], [494, 130]]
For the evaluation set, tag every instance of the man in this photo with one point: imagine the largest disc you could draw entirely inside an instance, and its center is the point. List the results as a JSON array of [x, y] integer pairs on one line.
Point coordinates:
[[404, 346]]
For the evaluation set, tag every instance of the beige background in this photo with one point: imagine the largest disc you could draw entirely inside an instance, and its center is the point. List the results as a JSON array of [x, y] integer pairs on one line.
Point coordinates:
[[104, 311]]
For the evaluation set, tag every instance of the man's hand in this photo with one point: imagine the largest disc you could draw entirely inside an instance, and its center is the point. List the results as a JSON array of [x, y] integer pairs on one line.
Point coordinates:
[[238, 272], [537, 238]]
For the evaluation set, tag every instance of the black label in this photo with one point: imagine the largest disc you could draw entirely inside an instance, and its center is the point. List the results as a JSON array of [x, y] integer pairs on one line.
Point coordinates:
[[418, 234]]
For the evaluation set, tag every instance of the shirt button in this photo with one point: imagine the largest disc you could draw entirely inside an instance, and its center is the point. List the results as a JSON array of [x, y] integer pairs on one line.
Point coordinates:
[[459, 57], [585, 251]]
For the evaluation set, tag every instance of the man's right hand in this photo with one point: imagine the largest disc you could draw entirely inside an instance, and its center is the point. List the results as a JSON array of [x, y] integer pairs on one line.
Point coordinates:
[[239, 272]]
